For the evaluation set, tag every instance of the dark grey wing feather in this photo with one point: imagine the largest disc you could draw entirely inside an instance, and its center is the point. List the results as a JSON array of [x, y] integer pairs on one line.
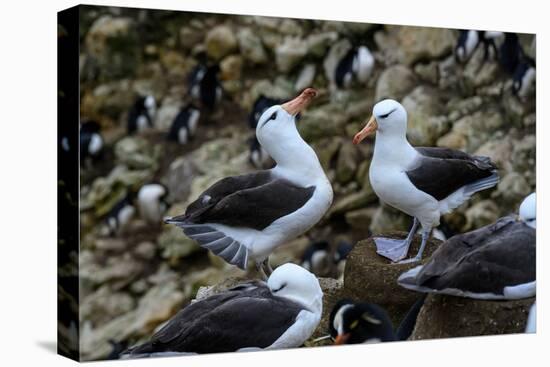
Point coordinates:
[[442, 171], [255, 207], [499, 255], [252, 318]]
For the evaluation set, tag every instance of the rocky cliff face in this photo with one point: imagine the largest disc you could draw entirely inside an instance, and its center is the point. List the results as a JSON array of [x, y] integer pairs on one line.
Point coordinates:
[[133, 282]]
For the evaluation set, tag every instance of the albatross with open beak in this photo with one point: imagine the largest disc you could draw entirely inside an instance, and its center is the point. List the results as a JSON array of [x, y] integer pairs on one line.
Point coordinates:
[[425, 183], [248, 216]]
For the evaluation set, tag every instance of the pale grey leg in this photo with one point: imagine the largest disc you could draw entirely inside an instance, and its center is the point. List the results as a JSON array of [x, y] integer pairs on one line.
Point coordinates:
[[393, 249], [418, 257]]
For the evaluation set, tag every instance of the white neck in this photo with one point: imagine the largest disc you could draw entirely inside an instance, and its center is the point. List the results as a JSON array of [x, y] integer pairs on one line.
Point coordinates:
[[314, 305], [296, 160], [393, 149]]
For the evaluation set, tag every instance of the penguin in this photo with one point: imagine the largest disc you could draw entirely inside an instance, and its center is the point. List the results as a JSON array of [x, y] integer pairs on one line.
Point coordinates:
[[357, 64], [151, 202], [361, 322], [140, 117], [316, 258], [184, 125], [258, 157], [524, 78], [91, 142], [261, 104], [204, 85], [467, 43], [120, 215]]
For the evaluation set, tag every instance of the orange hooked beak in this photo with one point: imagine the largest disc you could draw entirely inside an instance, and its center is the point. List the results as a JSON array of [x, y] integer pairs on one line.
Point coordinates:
[[341, 339], [370, 128], [298, 104]]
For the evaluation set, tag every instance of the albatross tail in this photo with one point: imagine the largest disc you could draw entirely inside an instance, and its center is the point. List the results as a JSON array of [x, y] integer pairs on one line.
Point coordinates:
[[214, 240], [464, 193]]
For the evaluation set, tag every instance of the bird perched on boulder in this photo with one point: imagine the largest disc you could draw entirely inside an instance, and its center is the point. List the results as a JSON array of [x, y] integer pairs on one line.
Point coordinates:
[[493, 262], [425, 183], [248, 216]]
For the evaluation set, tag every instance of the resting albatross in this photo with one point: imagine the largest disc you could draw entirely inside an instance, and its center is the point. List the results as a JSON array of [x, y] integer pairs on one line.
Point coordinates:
[[493, 262], [425, 183], [248, 216], [282, 313]]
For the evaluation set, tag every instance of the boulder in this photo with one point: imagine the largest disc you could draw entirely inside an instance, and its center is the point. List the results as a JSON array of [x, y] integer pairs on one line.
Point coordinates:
[[411, 44], [425, 121], [305, 77], [337, 51], [289, 53], [220, 41], [445, 316], [251, 46], [395, 82], [387, 218], [369, 277], [346, 164], [114, 44]]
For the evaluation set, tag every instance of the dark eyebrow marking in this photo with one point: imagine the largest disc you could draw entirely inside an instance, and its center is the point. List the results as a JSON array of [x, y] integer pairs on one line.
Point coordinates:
[[272, 117], [387, 114]]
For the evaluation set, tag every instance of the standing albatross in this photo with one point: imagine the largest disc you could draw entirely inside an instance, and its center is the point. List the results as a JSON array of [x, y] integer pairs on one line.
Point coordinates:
[[425, 183], [246, 217], [493, 262], [282, 313]]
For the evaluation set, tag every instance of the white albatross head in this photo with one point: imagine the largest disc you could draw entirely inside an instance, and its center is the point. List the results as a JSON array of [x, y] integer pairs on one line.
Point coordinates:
[[276, 130], [297, 284], [528, 210], [389, 118]]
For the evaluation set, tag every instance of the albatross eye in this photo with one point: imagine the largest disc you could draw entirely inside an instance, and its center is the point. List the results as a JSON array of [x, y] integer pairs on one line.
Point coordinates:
[[278, 289], [386, 115], [273, 116]]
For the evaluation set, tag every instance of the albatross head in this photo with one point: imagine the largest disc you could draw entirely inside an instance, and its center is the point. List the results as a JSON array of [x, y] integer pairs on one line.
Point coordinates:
[[388, 118], [528, 210], [297, 284], [276, 130]]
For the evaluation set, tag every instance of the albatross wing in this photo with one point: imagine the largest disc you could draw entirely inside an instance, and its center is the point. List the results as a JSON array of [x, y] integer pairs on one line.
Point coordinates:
[[480, 264], [440, 172], [227, 322]]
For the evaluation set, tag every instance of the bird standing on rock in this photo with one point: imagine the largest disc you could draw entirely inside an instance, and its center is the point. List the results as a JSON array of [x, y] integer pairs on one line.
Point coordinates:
[[425, 183], [248, 216]]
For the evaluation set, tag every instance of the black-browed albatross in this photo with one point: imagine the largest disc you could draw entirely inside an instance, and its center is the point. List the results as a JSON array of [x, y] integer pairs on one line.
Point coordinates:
[[425, 183], [493, 262], [248, 216], [282, 313]]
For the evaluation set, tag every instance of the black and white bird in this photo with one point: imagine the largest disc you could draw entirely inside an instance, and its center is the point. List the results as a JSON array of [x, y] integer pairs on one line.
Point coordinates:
[[185, 124], [141, 115], [246, 217], [91, 142], [282, 313], [424, 183], [204, 85], [316, 258], [357, 64], [467, 43], [524, 78], [493, 262], [151, 202], [362, 323], [258, 156], [120, 215]]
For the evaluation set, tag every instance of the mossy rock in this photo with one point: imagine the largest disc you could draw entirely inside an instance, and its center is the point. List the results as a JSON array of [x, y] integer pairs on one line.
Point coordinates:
[[369, 277], [445, 316]]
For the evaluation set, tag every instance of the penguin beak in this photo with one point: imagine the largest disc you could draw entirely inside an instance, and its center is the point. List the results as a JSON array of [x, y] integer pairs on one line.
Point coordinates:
[[299, 103], [342, 339], [370, 128]]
